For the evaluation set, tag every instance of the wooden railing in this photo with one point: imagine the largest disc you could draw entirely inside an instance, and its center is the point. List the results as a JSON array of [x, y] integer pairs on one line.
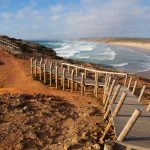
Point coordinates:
[[125, 75], [10, 48]]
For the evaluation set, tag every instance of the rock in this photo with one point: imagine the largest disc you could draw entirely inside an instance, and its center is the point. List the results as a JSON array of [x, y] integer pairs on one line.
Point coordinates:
[[49, 98], [94, 111], [75, 140], [85, 115], [84, 136], [25, 108], [89, 148], [1, 102], [19, 146], [96, 147], [66, 146]]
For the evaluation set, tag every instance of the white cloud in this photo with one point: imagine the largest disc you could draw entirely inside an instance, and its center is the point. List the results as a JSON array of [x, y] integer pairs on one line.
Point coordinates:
[[56, 9], [6, 15], [55, 18], [89, 18], [34, 26]]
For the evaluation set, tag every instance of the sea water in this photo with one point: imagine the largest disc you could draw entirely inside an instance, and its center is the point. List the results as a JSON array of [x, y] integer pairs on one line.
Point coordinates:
[[122, 58]]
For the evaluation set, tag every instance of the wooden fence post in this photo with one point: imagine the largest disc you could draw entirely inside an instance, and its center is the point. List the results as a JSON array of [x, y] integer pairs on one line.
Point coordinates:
[[68, 73], [31, 66], [109, 82], [129, 125], [106, 113], [76, 86], [120, 102], [56, 77], [76, 71], [36, 67], [40, 70], [134, 87], [125, 80], [129, 82], [85, 73], [104, 95], [96, 85], [106, 85], [82, 83], [56, 63], [111, 88], [142, 92], [51, 62], [44, 73], [106, 100], [63, 81], [115, 94], [46, 61], [148, 108], [68, 69], [106, 131], [61, 66], [106, 105], [72, 81], [50, 75]]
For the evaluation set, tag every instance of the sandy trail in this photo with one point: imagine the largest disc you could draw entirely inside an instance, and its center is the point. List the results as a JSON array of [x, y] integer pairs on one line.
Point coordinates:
[[15, 78]]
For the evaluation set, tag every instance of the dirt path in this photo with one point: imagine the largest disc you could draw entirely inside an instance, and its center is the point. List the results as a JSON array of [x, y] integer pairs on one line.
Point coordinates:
[[15, 78]]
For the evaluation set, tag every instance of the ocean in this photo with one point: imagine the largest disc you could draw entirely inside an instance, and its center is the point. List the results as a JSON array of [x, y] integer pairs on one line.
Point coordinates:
[[122, 58]]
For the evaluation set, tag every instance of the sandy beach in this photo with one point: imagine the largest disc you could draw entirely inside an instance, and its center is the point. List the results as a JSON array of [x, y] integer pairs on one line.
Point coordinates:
[[144, 47]]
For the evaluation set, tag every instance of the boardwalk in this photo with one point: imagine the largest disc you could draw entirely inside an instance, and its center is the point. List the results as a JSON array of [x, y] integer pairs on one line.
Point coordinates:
[[139, 135]]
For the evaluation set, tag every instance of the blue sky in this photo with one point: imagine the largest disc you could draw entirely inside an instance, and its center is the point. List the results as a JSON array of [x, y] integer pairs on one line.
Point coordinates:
[[64, 19]]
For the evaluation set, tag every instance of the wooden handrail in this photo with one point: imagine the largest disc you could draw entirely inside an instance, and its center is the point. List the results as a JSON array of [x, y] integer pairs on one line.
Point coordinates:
[[94, 70], [11, 45]]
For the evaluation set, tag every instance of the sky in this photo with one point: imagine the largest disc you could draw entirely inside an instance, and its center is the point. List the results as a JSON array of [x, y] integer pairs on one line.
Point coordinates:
[[65, 19]]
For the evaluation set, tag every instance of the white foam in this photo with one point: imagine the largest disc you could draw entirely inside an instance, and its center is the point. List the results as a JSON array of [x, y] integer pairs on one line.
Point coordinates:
[[106, 55], [71, 48], [83, 57], [120, 65]]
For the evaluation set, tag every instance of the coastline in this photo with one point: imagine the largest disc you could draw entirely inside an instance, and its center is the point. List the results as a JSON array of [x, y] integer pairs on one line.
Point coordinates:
[[140, 47], [135, 46]]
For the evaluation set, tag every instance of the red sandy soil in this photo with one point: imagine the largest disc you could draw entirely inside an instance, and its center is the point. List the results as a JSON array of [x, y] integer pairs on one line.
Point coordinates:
[[15, 78], [74, 122]]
